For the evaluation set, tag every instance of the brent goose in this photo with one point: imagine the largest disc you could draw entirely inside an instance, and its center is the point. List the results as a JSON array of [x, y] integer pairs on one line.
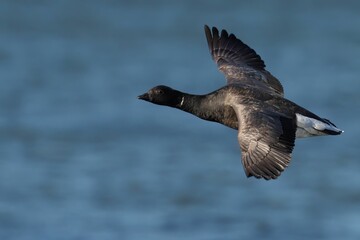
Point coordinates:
[[253, 103]]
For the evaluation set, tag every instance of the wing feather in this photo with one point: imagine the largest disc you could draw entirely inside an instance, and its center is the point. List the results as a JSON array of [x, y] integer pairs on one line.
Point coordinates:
[[240, 63], [266, 141]]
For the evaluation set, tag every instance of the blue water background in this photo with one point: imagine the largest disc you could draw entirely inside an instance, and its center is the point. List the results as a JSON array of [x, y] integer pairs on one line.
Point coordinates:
[[82, 158]]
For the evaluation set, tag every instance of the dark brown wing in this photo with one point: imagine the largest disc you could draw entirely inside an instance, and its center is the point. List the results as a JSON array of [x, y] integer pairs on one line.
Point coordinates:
[[266, 141], [240, 63]]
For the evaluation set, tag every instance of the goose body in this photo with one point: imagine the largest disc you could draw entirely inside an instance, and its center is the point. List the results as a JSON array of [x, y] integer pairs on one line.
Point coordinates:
[[253, 103]]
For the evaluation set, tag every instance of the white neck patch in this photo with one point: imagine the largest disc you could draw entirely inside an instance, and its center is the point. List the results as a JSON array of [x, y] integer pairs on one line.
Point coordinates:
[[182, 101]]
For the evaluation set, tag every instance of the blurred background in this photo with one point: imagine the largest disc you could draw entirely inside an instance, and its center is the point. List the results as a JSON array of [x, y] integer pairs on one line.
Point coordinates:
[[82, 158]]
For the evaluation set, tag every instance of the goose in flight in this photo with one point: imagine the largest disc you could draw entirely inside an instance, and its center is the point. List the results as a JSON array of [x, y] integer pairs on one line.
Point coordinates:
[[252, 102]]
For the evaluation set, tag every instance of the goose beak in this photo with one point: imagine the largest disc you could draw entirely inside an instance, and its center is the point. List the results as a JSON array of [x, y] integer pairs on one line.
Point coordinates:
[[144, 96]]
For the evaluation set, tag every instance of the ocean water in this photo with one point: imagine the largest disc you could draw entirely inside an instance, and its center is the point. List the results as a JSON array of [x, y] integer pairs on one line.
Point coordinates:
[[82, 158]]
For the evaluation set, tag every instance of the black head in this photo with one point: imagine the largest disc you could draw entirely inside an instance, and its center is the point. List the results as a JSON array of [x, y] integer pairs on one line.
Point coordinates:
[[162, 95]]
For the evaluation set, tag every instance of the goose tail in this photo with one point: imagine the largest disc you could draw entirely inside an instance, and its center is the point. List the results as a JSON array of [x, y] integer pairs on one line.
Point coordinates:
[[308, 127]]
